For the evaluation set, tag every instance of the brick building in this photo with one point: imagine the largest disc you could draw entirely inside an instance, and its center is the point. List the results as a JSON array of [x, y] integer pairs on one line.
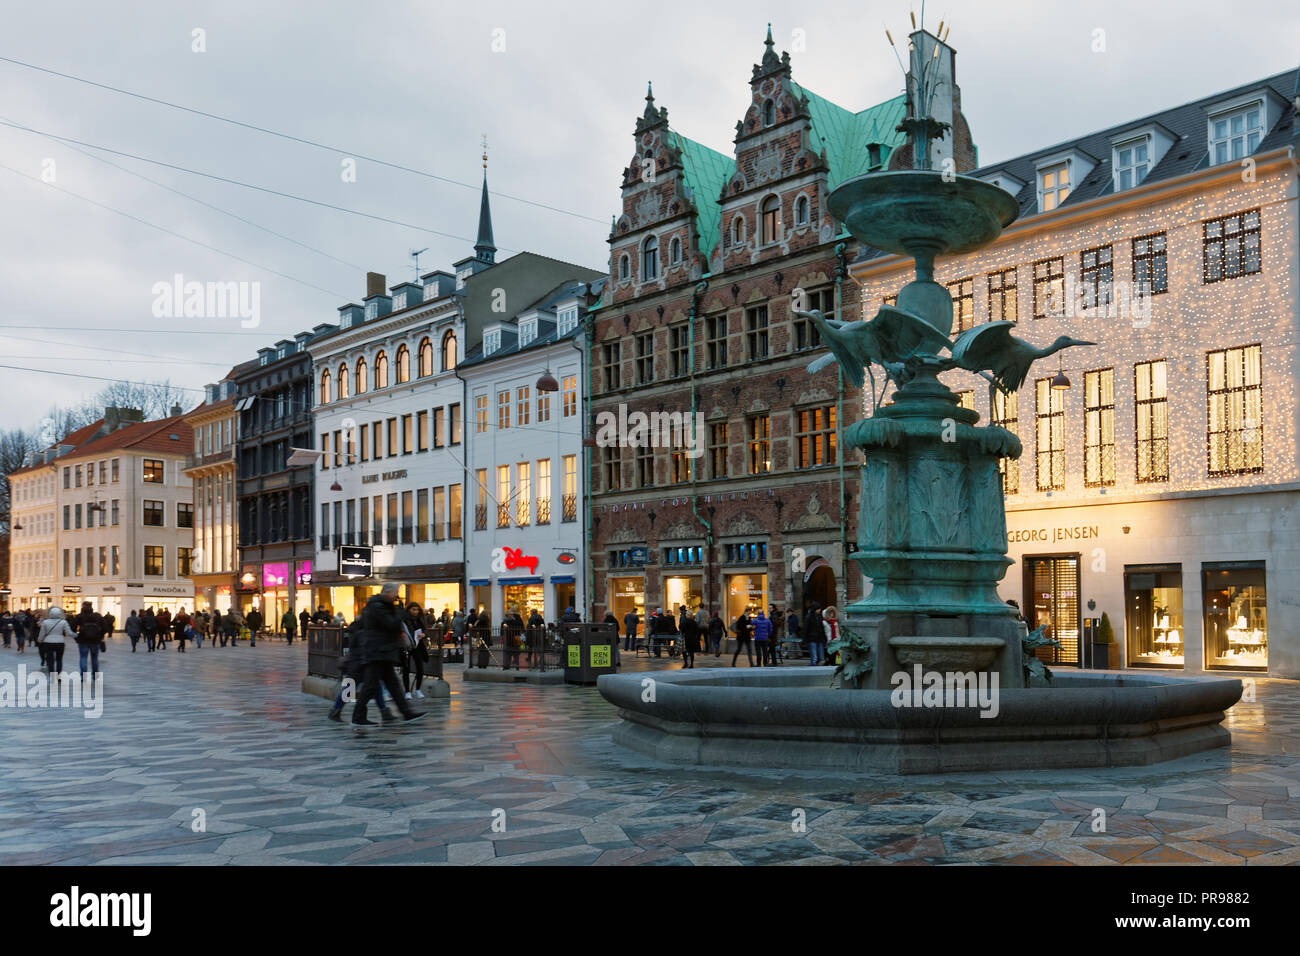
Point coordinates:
[[697, 321]]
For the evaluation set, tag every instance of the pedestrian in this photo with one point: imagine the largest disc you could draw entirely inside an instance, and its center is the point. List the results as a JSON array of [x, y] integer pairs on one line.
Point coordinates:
[[289, 624], [304, 619], [149, 626], [229, 627], [741, 629], [133, 629], [110, 624], [814, 634], [53, 638], [381, 642], [412, 660], [90, 636], [690, 640], [793, 626], [762, 627], [254, 620], [459, 625], [831, 628], [630, 622], [665, 630], [181, 629], [570, 616], [778, 627], [321, 616], [6, 627], [164, 628], [717, 631], [351, 673]]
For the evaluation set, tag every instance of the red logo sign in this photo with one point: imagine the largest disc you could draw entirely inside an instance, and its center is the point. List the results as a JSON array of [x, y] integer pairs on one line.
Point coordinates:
[[567, 557], [515, 558]]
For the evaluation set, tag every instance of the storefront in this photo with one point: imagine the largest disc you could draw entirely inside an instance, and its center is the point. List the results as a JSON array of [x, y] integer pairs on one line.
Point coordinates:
[[213, 591], [1236, 615], [627, 594], [745, 594], [1153, 602], [439, 587]]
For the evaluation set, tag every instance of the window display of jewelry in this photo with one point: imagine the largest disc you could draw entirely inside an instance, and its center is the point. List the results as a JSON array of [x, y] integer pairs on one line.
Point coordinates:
[[1168, 642]]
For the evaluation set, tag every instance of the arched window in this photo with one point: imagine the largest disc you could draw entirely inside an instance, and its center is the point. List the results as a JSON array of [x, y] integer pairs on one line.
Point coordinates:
[[769, 217], [769, 113], [675, 251], [801, 211], [343, 380], [650, 259], [381, 370], [403, 364], [738, 230], [324, 387], [448, 351], [624, 266], [360, 376], [426, 357]]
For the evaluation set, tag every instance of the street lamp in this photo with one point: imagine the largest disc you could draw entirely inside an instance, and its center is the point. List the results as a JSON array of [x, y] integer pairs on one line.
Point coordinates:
[[547, 382], [1059, 382]]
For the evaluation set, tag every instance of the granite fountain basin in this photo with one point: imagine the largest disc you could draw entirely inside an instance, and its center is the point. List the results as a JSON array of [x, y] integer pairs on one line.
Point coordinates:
[[790, 718]]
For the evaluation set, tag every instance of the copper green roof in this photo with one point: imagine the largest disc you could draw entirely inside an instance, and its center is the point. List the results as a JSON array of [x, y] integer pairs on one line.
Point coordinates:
[[705, 172], [845, 135]]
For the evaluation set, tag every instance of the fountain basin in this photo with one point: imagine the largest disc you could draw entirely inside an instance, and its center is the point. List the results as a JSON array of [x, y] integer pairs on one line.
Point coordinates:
[[947, 654], [788, 718]]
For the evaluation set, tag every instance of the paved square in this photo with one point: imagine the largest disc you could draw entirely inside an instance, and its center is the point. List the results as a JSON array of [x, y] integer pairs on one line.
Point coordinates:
[[225, 734]]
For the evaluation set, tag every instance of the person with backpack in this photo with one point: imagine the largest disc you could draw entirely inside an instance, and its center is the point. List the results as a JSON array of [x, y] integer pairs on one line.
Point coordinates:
[[763, 639], [53, 636], [381, 644], [814, 634], [741, 629], [90, 636]]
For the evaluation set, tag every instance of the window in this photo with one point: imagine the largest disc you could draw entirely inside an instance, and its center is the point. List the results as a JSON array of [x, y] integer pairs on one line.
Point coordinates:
[[1150, 272], [184, 515], [681, 463], [1002, 296], [1099, 428], [963, 303], [756, 332], [1054, 186], [1006, 415], [675, 251], [480, 414], [377, 431], [76, 517], [769, 112], [453, 413], [65, 562], [343, 381], [422, 429], [645, 467], [1049, 287], [439, 513], [359, 377], [117, 560], [645, 358], [491, 341], [612, 365], [569, 390], [738, 231], [503, 410], [392, 440], [453, 512], [1231, 246], [715, 327], [381, 370], [522, 402], [527, 331], [719, 450], [448, 351], [153, 471], [90, 474], [1235, 427], [408, 436], [678, 350], [480, 508], [1050, 415], [816, 436], [801, 211], [624, 267], [760, 445], [377, 521], [570, 488], [1132, 161], [806, 333], [1236, 135], [503, 496], [613, 468], [650, 259], [76, 563], [67, 477], [392, 518], [568, 321], [365, 442], [439, 435], [769, 218], [1151, 426], [524, 497], [184, 561], [324, 386], [116, 507], [426, 357], [1096, 276], [408, 517], [338, 449], [543, 406], [544, 491], [153, 560]]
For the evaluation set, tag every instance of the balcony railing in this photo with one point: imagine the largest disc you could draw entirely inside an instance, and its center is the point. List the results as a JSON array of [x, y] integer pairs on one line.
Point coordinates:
[[570, 508], [543, 510], [503, 516], [523, 512], [480, 518], [226, 453]]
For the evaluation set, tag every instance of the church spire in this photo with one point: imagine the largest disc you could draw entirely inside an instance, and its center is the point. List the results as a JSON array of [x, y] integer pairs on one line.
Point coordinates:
[[484, 248]]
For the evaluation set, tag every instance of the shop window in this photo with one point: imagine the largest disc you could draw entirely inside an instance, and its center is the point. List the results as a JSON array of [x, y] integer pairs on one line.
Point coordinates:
[[746, 593], [1236, 615], [1153, 618]]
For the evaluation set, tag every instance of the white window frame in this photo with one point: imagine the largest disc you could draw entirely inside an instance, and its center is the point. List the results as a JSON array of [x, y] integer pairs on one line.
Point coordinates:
[[1138, 142], [1057, 170], [1225, 114]]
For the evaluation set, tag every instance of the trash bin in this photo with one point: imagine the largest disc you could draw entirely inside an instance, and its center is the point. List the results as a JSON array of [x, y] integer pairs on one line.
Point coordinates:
[[588, 651]]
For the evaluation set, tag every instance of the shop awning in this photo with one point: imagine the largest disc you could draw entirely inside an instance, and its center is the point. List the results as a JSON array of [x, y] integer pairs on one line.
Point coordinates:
[[479, 582], [519, 580], [562, 579]]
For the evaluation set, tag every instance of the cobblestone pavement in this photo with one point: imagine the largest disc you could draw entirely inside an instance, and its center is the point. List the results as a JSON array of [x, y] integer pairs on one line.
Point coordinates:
[[228, 733]]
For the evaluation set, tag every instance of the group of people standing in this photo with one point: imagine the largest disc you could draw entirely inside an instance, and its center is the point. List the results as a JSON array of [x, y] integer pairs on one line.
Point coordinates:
[[757, 634], [52, 630]]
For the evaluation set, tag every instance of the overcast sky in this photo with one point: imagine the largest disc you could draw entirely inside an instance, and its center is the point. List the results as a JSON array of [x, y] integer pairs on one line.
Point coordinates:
[[418, 84]]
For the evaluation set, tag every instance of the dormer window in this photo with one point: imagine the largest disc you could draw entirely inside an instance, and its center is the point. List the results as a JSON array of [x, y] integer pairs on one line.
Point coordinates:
[[1053, 186], [568, 321], [399, 301], [491, 341], [372, 309], [527, 331], [624, 266], [650, 259], [769, 113], [1132, 162], [1235, 135], [264, 358]]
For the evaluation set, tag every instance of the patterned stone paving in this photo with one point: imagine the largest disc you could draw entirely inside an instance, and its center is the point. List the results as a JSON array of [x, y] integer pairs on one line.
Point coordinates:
[[226, 731]]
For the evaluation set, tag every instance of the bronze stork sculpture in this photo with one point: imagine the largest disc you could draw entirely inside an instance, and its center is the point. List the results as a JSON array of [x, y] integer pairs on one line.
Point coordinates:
[[991, 347]]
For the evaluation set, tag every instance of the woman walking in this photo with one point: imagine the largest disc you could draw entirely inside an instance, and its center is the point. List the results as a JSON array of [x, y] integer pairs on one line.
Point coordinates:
[[180, 628], [690, 640], [417, 653], [90, 635], [52, 637]]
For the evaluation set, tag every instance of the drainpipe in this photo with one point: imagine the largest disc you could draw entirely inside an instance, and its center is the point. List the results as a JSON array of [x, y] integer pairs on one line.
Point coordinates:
[[700, 288], [580, 343], [841, 269]]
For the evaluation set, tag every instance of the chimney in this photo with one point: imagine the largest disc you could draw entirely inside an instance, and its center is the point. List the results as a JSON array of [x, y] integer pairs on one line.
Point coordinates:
[[376, 284], [111, 419], [176, 410]]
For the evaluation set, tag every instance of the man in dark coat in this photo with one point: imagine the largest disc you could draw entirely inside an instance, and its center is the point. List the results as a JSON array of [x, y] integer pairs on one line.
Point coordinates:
[[382, 639]]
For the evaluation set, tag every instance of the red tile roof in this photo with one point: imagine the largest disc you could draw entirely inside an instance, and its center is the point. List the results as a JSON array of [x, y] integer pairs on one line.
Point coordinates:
[[138, 436]]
